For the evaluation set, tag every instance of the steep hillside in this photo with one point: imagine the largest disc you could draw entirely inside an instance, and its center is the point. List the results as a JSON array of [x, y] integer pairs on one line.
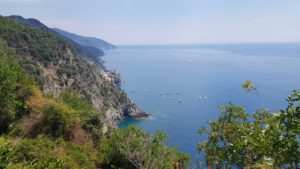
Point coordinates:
[[41, 131], [56, 65], [86, 41]]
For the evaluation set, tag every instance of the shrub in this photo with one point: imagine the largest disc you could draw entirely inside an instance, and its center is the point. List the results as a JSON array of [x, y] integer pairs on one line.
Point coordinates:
[[46, 153], [131, 147]]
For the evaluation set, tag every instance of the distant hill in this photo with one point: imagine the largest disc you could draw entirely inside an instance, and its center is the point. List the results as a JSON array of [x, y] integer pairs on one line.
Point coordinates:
[[86, 41], [29, 21], [90, 52]]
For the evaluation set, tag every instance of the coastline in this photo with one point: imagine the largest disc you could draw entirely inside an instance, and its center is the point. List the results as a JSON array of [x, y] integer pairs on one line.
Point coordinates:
[[129, 110]]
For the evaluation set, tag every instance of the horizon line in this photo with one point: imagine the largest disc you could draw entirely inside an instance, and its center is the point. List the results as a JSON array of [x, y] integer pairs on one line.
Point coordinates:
[[208, 43]]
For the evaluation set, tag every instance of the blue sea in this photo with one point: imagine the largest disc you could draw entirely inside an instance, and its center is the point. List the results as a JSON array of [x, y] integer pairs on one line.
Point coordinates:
[[181, 86]]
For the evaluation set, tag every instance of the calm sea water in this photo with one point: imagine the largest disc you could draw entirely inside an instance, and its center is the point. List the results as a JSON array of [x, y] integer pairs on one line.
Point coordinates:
[[185, 73]]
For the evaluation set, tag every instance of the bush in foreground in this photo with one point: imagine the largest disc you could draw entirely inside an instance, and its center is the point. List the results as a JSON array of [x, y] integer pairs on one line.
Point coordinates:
[[132, 148], [259, 140]]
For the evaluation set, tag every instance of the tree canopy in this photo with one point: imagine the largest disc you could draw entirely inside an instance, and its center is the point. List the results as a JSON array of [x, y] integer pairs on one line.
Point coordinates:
[[259, 140]]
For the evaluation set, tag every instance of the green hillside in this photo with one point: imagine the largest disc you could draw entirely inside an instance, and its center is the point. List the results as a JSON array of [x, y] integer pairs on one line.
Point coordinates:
[[46, 121]]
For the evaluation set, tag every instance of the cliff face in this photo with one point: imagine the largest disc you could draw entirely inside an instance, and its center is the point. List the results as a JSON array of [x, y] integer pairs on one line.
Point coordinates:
[[56, 65]]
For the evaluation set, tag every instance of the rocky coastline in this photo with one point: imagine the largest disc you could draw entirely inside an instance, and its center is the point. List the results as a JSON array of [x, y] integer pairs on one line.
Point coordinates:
[[133, 111], [129, 110]]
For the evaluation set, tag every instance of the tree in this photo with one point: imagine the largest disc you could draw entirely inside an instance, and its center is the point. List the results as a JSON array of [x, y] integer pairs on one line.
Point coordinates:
[[258, 140]]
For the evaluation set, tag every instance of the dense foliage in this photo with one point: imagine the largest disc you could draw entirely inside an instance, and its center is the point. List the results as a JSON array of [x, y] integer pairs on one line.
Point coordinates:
[[258, 140], [42, 152]]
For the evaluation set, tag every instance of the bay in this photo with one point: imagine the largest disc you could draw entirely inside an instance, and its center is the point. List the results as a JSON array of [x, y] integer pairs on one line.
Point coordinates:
[[181, 86]]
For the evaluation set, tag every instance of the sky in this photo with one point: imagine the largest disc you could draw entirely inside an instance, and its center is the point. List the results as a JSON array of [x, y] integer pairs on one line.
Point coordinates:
[[128, 22]]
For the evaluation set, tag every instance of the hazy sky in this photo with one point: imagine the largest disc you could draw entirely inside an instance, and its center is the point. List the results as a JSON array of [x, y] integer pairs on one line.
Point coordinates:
[[167, 21]]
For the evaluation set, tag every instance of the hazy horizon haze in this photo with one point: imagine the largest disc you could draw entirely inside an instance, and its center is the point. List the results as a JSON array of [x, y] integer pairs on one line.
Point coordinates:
[[141, 22]]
